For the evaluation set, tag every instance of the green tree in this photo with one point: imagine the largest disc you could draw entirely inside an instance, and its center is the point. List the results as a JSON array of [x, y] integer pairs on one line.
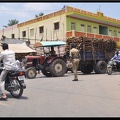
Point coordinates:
[[13, 22], [39, 14]]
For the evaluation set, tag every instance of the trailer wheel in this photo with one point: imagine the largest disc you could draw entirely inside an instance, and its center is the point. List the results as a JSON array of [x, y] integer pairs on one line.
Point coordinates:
[[101, 67], [95, 70], [86, 69], [58, 68], [30, 73]]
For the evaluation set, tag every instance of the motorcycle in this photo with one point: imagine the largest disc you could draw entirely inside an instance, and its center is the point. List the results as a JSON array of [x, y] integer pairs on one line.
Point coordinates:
[[112, 66], [14, 82]]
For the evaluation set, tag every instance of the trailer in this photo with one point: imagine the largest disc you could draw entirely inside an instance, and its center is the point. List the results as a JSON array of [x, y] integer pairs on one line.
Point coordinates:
[[95, 53]]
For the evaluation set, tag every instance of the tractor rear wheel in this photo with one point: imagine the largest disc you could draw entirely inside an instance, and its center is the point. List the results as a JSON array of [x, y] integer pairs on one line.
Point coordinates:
[[46, 73]]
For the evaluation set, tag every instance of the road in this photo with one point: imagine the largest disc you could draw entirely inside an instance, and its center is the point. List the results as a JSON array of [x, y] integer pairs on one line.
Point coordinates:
[[94, 95]]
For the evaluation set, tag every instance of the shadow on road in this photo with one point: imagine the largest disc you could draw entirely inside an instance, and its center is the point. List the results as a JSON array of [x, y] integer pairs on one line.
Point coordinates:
[[22, 97]]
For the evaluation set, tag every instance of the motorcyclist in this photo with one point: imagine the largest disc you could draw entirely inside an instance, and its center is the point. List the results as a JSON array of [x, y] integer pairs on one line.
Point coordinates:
[[9, 63], [116, 57]]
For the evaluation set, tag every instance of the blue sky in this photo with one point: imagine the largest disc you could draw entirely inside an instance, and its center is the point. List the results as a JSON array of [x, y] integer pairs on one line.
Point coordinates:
[[27, 10]]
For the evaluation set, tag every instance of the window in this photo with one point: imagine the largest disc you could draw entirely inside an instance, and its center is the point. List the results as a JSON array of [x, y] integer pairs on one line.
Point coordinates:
[[82, 28], [95, 30], [32, 32], [110, 32], [56, 26], [23, 33], [89, 29], [41, 29], [72, 26], [118, 33], [12, 36], [115, 33]]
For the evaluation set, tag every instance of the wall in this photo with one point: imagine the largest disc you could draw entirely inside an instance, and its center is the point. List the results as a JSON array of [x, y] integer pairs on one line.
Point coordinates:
[[9, 30], [49, 32]]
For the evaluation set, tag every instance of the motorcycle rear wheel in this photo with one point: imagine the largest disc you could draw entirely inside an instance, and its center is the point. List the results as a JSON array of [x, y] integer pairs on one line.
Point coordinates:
[[17, 91]]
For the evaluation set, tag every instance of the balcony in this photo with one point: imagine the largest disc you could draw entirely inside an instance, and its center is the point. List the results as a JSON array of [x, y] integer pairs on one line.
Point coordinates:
[[74, 33]]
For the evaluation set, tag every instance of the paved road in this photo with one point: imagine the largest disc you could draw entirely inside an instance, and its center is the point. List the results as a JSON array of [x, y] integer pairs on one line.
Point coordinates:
[[94, 95]]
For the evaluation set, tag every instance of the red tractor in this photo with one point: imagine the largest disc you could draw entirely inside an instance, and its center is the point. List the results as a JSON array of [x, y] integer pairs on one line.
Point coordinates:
[[49, 65]]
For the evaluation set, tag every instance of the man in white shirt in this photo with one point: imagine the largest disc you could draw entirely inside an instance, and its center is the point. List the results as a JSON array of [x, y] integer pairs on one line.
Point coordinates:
[[9, 63]]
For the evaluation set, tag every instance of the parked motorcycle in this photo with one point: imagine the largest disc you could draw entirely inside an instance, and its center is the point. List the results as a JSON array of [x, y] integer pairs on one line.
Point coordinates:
[[112, 66], [14, 82]]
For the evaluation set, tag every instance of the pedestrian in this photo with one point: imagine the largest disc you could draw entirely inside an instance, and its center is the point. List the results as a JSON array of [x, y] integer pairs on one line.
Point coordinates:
[[24, 63], [75, 59], [36, 65]]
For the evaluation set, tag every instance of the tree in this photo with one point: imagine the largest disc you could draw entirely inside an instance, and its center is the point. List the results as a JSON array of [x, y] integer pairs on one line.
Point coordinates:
[[39, 14], [13, 22]]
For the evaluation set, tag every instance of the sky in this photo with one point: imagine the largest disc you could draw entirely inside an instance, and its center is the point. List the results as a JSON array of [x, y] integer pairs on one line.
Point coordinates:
[[27, 10]]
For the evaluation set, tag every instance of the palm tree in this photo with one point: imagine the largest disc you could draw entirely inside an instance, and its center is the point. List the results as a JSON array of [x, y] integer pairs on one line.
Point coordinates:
[[13, 22], [39, 14]]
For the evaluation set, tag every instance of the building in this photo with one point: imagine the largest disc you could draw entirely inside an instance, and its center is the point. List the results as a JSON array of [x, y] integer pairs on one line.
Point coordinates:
[[67, 22]]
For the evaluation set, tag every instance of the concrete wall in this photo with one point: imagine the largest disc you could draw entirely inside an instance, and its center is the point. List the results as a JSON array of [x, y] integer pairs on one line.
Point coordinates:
[[8, 31]]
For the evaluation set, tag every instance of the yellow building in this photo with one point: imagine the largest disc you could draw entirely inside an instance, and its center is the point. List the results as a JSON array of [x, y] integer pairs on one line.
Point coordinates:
[[67, 22]]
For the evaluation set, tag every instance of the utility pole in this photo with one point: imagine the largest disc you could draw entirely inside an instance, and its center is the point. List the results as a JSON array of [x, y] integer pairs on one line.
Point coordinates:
[[46, 34], [99, 8], [3, 29], [28, 33], [35, 34]]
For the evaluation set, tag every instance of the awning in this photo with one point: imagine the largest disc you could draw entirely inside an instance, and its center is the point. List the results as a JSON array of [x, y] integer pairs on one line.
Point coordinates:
[[19, 48], [49, 44]]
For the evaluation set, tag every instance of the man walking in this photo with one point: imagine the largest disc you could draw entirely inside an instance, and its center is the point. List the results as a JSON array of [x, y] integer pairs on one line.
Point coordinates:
[[75, 59]]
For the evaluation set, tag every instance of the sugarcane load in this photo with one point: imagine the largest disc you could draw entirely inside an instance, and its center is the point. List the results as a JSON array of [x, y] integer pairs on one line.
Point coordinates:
[[95, 53]]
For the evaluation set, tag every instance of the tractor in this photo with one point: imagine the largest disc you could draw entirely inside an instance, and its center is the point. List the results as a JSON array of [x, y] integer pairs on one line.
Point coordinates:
[[49, 65]]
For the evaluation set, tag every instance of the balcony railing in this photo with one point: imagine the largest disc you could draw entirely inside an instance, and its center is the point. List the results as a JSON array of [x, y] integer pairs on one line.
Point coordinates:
[[74, 33]]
